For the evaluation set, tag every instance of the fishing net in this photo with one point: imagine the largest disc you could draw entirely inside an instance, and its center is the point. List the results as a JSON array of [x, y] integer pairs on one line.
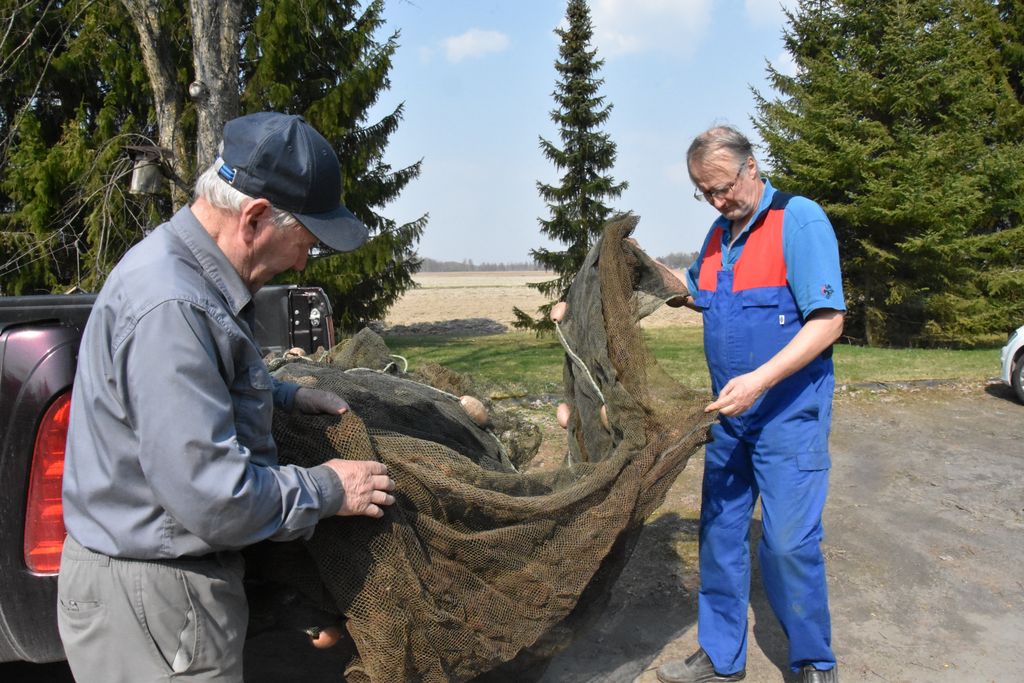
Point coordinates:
[[481, 571]]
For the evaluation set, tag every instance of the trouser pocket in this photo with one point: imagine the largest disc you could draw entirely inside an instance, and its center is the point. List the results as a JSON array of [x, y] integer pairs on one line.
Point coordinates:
[[151, 620], [81, 597], [195, 615], [167, 615]]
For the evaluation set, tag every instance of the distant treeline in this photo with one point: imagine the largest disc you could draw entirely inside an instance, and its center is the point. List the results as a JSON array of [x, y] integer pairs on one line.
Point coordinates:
[[467, 265], [676, 259], [679, 259]]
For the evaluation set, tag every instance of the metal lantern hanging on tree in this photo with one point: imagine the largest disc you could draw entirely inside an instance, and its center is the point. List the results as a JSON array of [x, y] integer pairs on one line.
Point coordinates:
[[148, 174]]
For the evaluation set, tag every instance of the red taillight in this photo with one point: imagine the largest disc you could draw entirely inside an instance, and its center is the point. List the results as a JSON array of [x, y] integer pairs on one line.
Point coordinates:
[[44, 513]]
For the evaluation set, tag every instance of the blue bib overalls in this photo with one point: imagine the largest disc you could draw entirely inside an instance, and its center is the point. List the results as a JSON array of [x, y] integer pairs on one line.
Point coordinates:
[[778, 450]]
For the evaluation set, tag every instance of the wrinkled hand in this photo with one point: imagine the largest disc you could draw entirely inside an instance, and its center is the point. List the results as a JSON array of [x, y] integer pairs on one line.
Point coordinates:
[[365, 485], [737, 395], [315, 401]]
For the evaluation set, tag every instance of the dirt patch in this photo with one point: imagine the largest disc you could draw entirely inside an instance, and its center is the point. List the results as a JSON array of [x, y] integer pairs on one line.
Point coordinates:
[[924, 545]]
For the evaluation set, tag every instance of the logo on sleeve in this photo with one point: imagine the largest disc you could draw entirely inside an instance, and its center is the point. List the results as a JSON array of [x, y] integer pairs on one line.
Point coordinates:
[[827, 291]]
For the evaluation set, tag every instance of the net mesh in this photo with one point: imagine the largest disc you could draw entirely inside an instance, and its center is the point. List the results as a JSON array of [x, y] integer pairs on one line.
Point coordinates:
[[480, 571]]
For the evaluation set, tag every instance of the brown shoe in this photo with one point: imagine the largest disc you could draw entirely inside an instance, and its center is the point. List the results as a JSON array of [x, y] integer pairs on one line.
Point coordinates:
[[696, 669]]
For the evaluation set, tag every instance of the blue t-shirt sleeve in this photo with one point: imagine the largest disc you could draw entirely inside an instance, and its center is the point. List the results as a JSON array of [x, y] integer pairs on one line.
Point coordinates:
[[812, 258]]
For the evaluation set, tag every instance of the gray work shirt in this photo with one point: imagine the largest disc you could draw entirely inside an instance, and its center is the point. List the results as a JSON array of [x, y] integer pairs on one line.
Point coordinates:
[[169, 447]]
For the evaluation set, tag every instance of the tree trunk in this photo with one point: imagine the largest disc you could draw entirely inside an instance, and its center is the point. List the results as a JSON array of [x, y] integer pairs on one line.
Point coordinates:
[[215, 26], [154, 41]]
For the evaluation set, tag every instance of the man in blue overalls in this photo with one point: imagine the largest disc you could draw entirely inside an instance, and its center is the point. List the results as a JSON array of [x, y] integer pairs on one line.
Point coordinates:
[[768, 284]]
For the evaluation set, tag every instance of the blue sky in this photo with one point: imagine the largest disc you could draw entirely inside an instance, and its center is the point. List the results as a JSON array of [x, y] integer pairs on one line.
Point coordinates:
[[476, 77]]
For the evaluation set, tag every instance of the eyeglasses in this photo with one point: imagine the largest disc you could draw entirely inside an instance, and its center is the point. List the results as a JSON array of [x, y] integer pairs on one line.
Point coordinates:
[[711, 195], [319, 250]]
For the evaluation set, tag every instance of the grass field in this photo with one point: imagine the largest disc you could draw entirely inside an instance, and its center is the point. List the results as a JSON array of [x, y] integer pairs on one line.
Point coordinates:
[[674, 336], [536, 364]]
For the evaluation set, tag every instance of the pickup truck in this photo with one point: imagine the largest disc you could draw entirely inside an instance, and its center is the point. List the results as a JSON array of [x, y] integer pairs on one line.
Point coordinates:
[[39, 339]]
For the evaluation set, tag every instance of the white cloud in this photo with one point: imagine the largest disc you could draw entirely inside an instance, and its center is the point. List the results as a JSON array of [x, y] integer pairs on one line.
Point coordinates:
[[632, 26], [784, 64], [474, 43], [768, 12]]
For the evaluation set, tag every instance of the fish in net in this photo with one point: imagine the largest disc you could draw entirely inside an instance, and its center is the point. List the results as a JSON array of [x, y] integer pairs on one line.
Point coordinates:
[[480, 571]]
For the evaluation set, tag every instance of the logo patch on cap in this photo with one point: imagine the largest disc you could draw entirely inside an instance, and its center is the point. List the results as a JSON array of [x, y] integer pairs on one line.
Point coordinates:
[[226, 172]]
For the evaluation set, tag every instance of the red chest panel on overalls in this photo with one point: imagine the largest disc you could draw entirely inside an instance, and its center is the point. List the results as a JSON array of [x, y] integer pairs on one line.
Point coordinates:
[[761, 264]]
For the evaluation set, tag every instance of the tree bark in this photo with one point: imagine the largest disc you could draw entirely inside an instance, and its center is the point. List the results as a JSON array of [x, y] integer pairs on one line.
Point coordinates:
[[215, 26], [154, 41]]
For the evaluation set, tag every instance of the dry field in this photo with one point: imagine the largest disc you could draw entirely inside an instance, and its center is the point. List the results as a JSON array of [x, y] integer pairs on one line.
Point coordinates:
[[455, 296]]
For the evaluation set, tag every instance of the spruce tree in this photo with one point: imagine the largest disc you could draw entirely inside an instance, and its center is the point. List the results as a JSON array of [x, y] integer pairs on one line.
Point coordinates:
[[1010, 41], [319, 58], [79, 93], [65, 214], [903, 121], [577, 204]]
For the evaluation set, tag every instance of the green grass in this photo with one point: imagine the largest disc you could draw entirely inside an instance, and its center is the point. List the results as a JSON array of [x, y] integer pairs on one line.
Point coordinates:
[[518, 358], [521, 359], [860, 364]]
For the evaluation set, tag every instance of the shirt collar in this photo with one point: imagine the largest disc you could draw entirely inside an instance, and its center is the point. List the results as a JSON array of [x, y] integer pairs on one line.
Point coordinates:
[[213, 261], [766, 198]]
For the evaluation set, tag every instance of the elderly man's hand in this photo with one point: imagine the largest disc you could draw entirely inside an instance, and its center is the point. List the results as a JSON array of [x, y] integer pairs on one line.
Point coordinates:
[[316, 401], [738, 395], [365, 484]]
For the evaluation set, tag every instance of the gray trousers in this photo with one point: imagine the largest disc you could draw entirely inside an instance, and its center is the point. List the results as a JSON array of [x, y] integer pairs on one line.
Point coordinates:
[[164, 620]]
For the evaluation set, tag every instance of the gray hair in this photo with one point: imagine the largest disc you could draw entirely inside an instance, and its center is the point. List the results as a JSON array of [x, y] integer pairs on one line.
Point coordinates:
[[719, 138], [214, 189]]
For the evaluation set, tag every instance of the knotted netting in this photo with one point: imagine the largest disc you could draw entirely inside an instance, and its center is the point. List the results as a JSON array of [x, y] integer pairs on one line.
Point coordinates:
[[480, 571]]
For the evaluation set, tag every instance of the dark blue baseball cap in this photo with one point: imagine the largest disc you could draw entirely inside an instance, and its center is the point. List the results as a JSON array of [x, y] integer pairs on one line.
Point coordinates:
[[283, 159]]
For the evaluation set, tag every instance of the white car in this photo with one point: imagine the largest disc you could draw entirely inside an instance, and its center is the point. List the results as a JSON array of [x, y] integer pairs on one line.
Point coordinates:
[[1013, 362]]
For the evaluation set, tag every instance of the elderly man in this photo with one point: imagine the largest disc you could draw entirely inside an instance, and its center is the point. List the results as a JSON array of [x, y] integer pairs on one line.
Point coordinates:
[[171, 468], [769, 286]]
